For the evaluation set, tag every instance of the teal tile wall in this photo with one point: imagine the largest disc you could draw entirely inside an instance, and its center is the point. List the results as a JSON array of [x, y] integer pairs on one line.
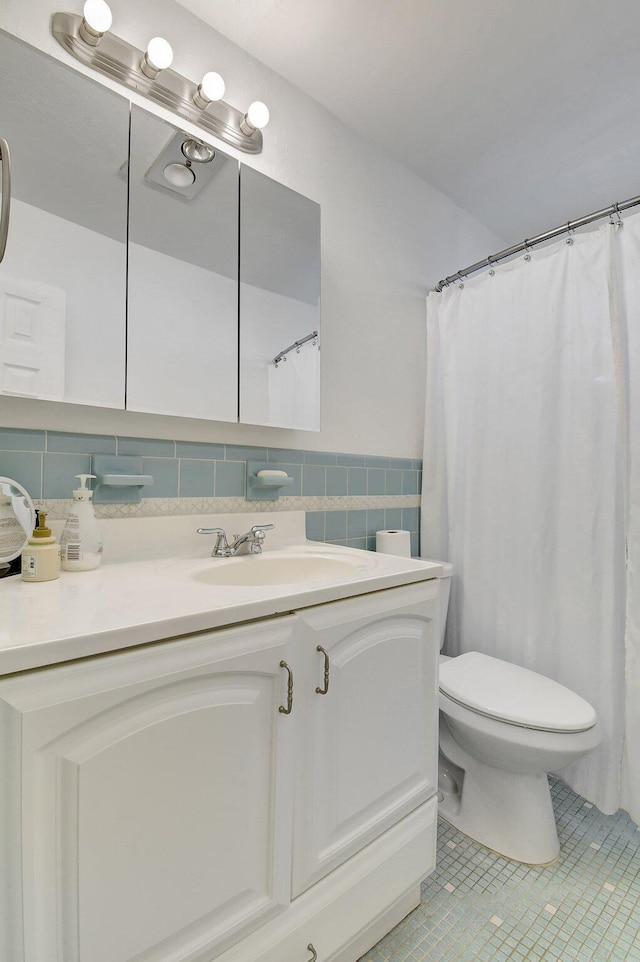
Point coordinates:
[[45, 462], [357, 529]]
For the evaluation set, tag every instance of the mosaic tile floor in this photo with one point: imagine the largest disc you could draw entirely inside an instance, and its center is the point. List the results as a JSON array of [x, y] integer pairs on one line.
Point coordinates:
[[478, 905]]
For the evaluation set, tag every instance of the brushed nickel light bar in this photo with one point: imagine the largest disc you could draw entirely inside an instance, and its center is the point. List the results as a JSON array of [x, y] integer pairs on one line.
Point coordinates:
[[148, 73]]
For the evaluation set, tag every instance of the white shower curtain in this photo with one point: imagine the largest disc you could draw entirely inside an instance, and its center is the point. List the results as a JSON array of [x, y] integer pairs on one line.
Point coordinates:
[[627, 252], [524, 480]]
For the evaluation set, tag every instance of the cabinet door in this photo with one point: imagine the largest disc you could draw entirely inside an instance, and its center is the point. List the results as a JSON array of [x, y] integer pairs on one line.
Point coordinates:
[[151, 794], [367, 750]]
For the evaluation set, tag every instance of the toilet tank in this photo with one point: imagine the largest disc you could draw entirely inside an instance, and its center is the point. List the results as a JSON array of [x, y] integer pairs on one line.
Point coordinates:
[[443, 597]]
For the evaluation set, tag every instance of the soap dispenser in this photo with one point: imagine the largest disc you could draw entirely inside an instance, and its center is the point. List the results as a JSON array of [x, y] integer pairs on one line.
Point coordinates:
[[81, 542], [41, 554]]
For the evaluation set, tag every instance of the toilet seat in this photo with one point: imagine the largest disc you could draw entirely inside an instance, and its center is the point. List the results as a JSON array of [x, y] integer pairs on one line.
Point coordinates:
[[514, 695]]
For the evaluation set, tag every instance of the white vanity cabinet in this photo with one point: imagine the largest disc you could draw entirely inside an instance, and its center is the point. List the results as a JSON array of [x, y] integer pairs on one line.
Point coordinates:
[[150, 792], [366, 742], [161, 804]]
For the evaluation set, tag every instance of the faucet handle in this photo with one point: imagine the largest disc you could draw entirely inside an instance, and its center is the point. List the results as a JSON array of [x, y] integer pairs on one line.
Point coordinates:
[[222, 535], [261, 527]]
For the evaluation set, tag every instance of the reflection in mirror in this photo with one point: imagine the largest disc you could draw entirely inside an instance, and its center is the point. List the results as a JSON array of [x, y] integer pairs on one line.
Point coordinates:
[[62, 281], [17, 521], [183, 275], [279, 305]]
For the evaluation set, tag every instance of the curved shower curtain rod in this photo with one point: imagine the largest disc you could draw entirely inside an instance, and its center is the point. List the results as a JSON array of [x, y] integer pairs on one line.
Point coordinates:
[[538, 239], [294, 347]]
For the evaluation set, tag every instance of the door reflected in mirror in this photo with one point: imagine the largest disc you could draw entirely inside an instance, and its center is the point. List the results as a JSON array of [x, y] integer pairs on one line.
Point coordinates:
[[183, 274], [279, 305]]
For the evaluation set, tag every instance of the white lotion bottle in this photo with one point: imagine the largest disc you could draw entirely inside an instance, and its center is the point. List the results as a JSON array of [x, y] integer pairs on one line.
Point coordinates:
[[81, 541]]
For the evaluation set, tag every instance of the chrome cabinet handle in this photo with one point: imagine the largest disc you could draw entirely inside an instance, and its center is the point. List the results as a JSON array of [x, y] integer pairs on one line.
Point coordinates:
[[314, 954], [6, 195], [323, 691], [287, 710]]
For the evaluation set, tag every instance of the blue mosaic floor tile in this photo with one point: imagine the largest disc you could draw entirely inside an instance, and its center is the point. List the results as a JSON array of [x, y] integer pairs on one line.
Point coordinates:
[[480, 906]]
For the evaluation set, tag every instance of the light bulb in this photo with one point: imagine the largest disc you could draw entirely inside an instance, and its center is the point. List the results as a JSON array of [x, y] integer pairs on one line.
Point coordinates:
[[179, 175], [211, 88], [159, 56], [98, 15], [213, 85], [96, 21], [258, 115]]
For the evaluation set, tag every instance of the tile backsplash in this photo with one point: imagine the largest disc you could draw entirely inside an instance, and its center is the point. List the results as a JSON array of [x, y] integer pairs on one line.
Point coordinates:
[[347, 497]]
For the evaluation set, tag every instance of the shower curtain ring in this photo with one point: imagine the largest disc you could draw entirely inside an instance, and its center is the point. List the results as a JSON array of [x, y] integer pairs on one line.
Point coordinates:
[[569, 232], [527, 256], [490, 266], [460, 283], [616, 207]]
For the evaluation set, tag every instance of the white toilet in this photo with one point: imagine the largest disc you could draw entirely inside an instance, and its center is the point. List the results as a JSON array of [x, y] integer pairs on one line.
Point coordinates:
[[502, 728]]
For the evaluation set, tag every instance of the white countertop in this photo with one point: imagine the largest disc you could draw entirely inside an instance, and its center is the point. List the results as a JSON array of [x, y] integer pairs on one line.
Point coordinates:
[[127, 603]]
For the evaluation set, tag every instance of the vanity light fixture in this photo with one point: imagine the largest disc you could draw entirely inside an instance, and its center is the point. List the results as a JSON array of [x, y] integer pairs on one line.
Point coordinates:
[[149, 73]]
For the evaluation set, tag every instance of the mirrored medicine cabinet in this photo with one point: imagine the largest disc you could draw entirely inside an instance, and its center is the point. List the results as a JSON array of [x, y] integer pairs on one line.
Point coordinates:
[[145, 269]]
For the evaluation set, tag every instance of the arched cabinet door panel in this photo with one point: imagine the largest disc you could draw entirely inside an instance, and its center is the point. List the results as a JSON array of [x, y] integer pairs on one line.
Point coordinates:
[[154, 803], [367, 749]]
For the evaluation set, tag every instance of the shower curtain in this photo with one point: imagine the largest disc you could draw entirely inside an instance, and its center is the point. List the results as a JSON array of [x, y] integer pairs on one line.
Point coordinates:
[[530, 487]]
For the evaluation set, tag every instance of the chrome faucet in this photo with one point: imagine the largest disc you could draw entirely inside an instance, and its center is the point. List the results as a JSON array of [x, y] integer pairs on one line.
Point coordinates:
[[254, 539]]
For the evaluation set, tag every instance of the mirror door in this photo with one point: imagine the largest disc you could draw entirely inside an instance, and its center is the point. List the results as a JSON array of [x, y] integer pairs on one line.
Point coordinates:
[[279, 305], [63, 276], [183, 274]]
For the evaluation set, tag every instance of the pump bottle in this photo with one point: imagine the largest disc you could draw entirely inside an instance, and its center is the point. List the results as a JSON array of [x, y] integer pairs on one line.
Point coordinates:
[[81, 541], [41, 554]]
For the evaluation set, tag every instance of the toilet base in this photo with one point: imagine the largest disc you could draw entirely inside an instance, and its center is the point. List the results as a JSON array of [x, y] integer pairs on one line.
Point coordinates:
[[509, 812]]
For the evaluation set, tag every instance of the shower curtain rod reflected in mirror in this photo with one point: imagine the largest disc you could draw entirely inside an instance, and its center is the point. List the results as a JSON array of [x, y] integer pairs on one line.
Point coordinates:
[[538, 239], [294, 347]]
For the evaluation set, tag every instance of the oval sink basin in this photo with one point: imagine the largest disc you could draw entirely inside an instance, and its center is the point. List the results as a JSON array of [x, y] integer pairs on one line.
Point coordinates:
[[269, 570]]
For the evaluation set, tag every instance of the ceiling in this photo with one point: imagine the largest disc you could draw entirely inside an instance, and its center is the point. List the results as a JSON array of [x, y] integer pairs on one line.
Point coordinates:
[[524, 112]]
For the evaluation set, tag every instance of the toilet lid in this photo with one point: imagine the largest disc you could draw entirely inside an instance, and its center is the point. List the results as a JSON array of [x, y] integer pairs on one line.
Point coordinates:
[[498, 689]]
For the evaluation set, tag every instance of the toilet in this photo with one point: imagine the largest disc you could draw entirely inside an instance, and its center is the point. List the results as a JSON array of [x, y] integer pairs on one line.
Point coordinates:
[[502, 728]]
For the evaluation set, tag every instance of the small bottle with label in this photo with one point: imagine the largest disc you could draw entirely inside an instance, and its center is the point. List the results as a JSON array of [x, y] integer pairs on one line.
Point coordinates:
[[41, 554], [81, 541]]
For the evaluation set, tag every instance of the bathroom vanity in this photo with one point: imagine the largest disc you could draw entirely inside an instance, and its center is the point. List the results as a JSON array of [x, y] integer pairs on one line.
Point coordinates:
[[194, 767]]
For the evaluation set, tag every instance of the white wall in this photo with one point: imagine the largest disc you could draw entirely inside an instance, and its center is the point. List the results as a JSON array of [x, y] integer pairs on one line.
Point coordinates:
[[386, 238]]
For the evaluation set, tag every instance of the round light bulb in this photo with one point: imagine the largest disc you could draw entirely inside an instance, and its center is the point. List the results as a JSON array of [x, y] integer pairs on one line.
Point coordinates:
[[159, 53], [97, 15], [212, 86], [179, 175], [258, 114]]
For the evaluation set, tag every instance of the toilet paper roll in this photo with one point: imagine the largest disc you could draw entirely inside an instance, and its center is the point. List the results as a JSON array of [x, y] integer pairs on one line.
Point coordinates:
[[394, 542]]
